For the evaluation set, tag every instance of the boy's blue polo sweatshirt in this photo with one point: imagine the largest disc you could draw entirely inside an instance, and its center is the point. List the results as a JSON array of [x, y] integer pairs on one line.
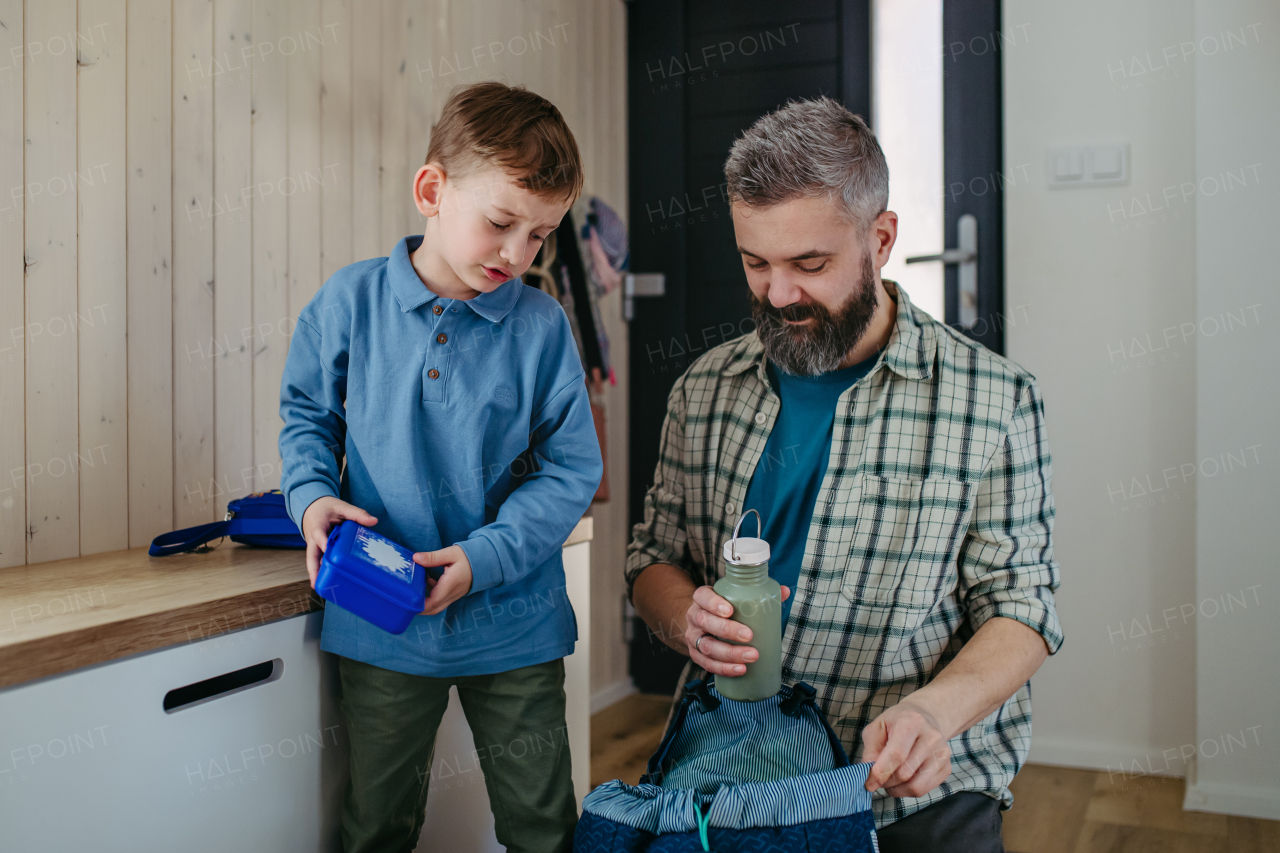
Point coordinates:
[[462, 422]]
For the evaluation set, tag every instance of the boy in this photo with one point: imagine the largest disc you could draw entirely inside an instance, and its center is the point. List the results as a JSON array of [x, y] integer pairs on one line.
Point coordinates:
[[457, 397]]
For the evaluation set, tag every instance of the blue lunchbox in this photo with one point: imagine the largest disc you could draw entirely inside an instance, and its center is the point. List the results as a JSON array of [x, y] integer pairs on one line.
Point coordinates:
[[367, 574]]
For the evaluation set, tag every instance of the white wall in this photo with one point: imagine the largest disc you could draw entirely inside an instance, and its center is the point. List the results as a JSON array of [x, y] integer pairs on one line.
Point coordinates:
[[1123, 293], [1237, 764], [1091, 280]]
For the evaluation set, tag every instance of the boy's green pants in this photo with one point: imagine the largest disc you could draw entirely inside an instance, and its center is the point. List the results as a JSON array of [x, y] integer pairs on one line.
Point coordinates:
[[521, 745]]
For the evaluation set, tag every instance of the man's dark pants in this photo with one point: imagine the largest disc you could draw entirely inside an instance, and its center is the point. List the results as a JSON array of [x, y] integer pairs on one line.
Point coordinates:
[[517, 720], [960, 823]]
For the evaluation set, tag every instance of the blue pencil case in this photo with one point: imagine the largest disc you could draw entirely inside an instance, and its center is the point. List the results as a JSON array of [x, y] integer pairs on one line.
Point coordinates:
[[367, 574]]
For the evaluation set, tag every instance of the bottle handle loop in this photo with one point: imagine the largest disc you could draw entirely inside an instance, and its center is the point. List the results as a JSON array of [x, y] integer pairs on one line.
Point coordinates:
[[733, 543]]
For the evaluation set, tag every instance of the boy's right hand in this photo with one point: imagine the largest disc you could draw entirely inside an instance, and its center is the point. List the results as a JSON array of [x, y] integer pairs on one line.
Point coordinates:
[[319, 519]]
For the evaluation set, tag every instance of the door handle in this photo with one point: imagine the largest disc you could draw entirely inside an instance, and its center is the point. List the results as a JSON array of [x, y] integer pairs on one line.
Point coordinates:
[[966, 255], [948, 256], [640, 284]]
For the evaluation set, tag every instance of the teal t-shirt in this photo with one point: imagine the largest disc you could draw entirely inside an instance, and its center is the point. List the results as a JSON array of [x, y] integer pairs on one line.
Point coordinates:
[[784, 487]]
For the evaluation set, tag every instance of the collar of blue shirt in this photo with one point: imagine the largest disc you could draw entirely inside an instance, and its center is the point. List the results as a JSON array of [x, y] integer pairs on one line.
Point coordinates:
[[411, 292]]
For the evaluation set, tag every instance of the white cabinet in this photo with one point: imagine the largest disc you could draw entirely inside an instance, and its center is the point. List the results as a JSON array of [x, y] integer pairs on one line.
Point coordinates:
[[91, 761]]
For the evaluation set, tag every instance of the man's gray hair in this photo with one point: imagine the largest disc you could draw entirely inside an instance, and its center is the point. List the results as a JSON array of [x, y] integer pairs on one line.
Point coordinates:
[[810, 149]]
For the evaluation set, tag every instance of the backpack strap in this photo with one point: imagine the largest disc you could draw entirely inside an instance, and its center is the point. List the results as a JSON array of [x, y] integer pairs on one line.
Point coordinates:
[[698, 690], [694, 691], [190, 538], [803, 695]]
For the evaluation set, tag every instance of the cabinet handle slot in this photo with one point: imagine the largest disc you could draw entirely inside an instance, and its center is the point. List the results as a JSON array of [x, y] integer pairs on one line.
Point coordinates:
[[222, 685]]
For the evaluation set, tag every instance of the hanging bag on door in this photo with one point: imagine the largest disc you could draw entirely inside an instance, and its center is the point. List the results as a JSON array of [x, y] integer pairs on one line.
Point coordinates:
[[257, 519], [737, 776]]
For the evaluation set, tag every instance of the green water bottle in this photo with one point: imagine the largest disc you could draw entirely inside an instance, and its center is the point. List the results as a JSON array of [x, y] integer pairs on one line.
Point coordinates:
[[757, 603]]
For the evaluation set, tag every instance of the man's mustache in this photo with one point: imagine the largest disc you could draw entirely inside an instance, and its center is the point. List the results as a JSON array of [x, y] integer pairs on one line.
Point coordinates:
[[794, 312]]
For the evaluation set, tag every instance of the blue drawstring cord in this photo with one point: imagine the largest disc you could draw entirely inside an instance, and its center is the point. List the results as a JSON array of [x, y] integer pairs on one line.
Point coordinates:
[[702, 825]]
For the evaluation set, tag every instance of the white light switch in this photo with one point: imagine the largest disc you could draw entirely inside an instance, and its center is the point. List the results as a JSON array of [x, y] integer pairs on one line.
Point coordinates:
[[1104, 164], [1068, 165], [1108, 162]]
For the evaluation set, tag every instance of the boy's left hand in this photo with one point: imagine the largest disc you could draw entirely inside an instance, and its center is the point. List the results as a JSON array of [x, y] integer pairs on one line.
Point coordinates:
[[453, 584]]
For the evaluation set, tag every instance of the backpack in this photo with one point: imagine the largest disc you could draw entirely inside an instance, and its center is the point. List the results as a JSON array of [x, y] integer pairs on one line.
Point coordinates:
[[737, 776], [256, 519]]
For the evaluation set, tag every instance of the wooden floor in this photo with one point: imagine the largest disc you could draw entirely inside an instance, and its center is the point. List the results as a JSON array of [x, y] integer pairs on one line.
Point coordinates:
[[1057, 810]]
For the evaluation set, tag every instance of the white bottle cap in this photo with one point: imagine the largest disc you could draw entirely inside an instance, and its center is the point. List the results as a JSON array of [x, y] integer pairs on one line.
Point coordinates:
[[748, 551]]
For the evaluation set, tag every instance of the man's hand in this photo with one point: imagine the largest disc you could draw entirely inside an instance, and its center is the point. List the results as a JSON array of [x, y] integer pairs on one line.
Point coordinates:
[[453, 584], [708, 618], [908, 742], [319, 519], [910, 751]]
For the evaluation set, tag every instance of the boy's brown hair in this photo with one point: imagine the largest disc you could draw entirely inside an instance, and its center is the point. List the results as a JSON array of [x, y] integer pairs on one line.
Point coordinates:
[[510, 127]]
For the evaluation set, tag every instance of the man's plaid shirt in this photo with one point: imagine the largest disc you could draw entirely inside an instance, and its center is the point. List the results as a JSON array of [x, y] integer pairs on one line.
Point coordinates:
[[934, 515]]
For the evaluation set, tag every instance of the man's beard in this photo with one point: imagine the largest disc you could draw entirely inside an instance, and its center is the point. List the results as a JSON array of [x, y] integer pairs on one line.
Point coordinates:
[[820, 346]]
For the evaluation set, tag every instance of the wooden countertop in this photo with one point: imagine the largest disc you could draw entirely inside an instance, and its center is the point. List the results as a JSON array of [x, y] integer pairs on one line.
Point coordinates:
[[65, 614]]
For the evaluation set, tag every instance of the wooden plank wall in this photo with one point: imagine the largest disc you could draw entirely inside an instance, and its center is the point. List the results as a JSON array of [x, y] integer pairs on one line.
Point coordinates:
[[192, 171], [178, 178]]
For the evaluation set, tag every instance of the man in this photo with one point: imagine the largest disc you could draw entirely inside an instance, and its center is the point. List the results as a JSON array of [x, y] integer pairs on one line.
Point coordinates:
[[903, 474]]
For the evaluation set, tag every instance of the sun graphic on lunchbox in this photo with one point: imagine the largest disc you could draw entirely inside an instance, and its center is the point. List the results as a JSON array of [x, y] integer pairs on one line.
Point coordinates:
[[385, 554]]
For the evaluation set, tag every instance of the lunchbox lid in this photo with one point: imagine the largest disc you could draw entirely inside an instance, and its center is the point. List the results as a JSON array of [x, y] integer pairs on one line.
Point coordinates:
[[375, 562]]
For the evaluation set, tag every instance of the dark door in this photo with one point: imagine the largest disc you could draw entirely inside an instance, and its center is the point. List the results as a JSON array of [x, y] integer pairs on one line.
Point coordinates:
[[973, 157], [699, 73]]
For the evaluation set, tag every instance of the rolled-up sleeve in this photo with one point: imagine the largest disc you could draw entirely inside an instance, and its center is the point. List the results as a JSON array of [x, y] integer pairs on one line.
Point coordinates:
[[1006, 562], [662, 537]]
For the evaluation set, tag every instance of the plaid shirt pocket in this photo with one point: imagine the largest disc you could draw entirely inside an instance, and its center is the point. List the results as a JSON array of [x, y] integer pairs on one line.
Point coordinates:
[[902, 558]]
